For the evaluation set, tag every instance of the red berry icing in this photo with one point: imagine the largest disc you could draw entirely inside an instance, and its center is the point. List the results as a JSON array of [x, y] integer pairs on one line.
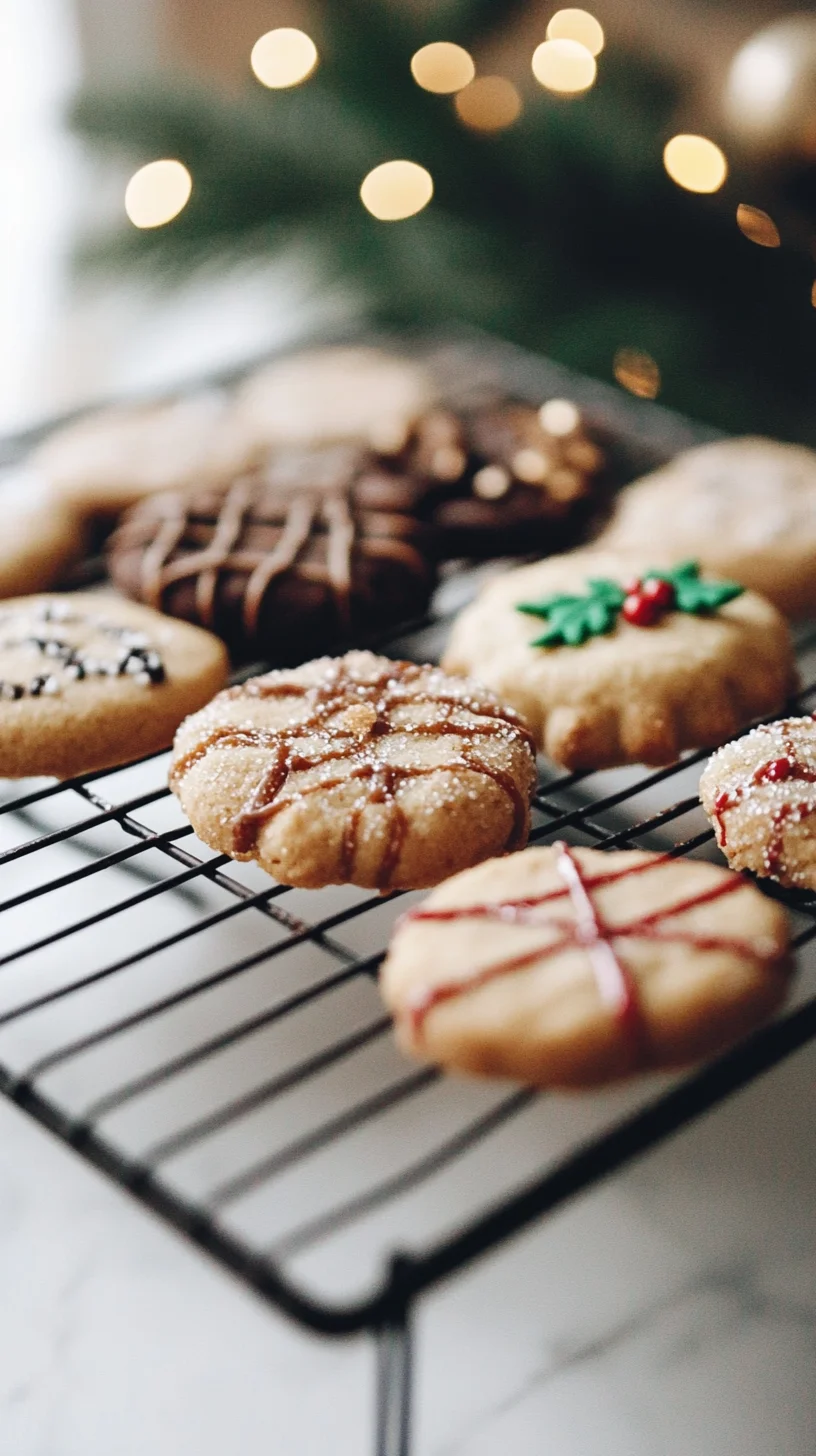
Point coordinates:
[[640, 610], [660, 592]]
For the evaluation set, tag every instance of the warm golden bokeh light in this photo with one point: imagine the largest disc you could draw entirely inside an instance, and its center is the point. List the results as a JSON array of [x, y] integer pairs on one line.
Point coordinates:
[[395, 190], [577, 25], [283, 57], [559, 417], [813, 295], [757, 225], [695, 163], [490, 103], [638, 372], [157, 193], [442, 67], [565, 66]]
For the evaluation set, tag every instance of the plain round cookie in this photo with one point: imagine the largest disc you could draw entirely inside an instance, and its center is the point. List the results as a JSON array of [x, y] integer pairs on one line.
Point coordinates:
[[760, 794], [356, 770], [568, 967], [636, 694], [106, 461], [88, 681], [745, 508], [331, 394], [41, 536]]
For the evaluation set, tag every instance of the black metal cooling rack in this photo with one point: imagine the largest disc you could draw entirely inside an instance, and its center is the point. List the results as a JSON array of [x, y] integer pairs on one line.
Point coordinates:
[[215, 1044]]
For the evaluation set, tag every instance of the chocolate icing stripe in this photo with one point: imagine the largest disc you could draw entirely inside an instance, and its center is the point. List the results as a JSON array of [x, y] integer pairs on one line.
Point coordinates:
[[295, 534]]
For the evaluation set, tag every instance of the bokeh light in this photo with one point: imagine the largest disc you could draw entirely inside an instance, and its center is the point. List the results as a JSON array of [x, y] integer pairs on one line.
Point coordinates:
[[442, 67], [577, 25], [157, 193], [559, 417], [638, 372], [813, 295], [757, 225], [490, 103], [565, 66], [283, 57], [695, 163], [395, 190]]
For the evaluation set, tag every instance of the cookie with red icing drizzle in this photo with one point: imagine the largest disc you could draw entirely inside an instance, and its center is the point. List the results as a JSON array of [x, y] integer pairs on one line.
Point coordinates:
[[760, 794], [570, 967], [357, 770]]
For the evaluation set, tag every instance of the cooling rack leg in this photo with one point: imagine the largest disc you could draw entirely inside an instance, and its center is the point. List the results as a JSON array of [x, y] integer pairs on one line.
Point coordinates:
[[394, 1387]]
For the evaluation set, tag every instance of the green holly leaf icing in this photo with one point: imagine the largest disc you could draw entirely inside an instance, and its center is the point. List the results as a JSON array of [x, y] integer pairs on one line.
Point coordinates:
[[572, 619], [693, 595]]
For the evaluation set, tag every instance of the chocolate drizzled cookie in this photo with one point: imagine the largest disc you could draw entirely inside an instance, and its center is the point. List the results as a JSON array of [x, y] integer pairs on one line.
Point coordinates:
[[287, 561], [501, 480]]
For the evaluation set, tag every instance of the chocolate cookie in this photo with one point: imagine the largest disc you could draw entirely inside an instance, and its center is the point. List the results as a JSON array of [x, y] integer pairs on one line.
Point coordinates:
[[506, 479], [287, 562]]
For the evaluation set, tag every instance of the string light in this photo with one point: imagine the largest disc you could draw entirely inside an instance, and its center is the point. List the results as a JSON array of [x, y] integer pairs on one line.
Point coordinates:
[[396, 190], [758, 226], [490, 103], [442, 67], [283, 57], [638, 372], [577, 25], [559, 417], [565, 66], [157, 193], [695, 163]]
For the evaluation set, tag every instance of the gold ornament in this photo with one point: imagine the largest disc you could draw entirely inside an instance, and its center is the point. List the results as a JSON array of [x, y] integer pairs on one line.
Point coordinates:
[[770, 92]]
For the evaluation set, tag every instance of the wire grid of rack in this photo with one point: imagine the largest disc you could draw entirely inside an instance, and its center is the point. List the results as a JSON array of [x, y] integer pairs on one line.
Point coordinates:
[[215, 1043]]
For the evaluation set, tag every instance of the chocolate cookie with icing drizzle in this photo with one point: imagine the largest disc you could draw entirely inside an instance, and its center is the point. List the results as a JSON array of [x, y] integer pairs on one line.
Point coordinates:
[[570, 967], [288, 561], [357, 770], [760, 794]]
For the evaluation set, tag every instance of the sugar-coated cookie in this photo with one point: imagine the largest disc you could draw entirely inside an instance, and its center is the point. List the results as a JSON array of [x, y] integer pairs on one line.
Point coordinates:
[[506, 478], [331, 394], [611, 662], [356, 770], [41, 536], [570, 967], [760, 794], [288, 561], [88, 681], [105, 461], [744, 508]]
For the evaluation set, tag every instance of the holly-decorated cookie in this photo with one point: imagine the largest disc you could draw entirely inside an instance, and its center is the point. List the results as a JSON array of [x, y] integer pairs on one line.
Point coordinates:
[[570, 967], [613, 662], [356, 770], [743, 508], [88, 681], [760, 794]]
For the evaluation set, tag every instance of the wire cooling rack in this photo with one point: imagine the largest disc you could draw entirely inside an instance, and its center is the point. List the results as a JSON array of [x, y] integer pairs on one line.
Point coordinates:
[[215, 1043]]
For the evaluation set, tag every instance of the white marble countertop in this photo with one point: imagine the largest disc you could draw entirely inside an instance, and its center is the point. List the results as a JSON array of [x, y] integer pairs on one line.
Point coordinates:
[[671, 1311]]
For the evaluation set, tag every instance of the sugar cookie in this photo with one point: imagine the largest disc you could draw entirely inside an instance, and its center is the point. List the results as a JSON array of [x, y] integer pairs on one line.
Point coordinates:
[[760, 794], [570, 967], [356, 770], [744, 508]]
